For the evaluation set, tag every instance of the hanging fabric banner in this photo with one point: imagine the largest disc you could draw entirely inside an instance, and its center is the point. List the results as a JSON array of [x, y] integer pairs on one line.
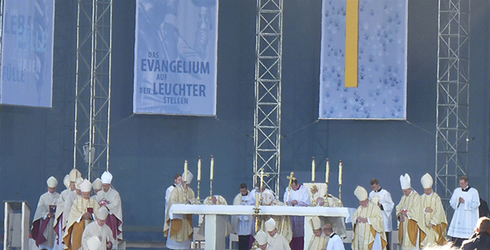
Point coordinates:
[[27, 53], [363, 71], [176, 55]]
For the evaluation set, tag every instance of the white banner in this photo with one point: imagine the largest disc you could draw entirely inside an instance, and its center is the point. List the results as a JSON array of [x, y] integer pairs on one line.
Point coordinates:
[[381, 64], [176, 51], [27, 53]]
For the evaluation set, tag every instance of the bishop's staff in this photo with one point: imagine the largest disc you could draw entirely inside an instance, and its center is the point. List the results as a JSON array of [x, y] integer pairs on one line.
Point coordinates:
[[257, 209], [340, 180]]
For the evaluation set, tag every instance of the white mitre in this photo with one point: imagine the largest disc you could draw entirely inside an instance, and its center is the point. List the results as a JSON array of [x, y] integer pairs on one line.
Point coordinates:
[[315, 223], [405, 181], [102, 213], [270, 225], [261, 238], [97, 184], [52, 182], [74, 174], [361, 193], [190, 176], [426, 181], [78, 182], [106, 177], [85, 186], [66, 181]]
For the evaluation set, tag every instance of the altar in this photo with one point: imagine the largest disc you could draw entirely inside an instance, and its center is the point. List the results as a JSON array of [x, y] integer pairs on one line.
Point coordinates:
[[215, 234]]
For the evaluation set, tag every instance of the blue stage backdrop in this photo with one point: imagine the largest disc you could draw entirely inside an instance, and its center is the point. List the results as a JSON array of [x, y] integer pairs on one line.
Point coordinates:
[[382, 61], [27, 53], [175, 67]]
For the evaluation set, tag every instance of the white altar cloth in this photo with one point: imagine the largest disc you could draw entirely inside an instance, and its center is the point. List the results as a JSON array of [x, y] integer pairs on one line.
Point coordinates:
[[214, 233]]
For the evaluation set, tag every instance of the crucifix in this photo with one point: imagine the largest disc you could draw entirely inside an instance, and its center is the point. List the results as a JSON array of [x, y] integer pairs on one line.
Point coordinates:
[[291, 178]]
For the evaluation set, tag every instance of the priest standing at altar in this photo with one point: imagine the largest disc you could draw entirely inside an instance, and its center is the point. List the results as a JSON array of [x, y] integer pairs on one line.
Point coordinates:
[[297, 196], [178, 229]]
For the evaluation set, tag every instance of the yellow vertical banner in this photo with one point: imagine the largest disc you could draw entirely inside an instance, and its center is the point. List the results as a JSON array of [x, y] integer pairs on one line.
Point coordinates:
[[352, 44]]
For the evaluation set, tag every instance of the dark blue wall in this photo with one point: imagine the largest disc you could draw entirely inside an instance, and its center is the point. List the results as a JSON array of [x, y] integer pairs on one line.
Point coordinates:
[[148, 150]]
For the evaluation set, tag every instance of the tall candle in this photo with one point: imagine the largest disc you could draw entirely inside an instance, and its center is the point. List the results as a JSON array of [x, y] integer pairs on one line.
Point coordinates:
[[257, 200], [199, 169], [313, 166], [327, 174], [340, 172], [211, 173], [185, 171]]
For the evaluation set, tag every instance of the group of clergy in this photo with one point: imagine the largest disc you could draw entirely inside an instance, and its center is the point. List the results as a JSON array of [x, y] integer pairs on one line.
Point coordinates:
[[422, 220], [83, 216]]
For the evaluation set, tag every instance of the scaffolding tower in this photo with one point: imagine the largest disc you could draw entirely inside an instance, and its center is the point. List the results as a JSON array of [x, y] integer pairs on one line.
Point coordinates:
[[268, 77], [453, 95], [93, 87]]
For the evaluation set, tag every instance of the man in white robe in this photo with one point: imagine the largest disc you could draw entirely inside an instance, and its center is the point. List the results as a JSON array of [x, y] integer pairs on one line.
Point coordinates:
[[409, 213], [465, 202], [81, 214], [434, 215], [369, 233], [318, 241], [242, 224], [275, 240], [100, 230], [42, 226], [108, 197], [334, 241], [386, 205], [221, 219], [298, 196]]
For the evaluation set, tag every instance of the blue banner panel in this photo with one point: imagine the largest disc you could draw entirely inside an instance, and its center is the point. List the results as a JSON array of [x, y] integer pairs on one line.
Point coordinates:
[[381, 66], [176, 51], [27, 53]]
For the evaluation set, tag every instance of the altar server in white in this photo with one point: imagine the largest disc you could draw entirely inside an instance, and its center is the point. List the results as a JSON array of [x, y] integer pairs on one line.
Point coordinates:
[[465, 202], [297, 196], [275, 240], [242, 224], [334, 241], [42, 226], [386, 205]]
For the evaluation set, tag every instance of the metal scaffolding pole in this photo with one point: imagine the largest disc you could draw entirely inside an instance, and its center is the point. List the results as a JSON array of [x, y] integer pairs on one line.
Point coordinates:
[[453, 95], [93, 87], [268, 77]]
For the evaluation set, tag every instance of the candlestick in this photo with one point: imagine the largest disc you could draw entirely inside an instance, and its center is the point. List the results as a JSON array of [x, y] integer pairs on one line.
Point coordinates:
[[313, 167], [185, 172], [340, 172], [327, 173], [199, 169], [211, 173]]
